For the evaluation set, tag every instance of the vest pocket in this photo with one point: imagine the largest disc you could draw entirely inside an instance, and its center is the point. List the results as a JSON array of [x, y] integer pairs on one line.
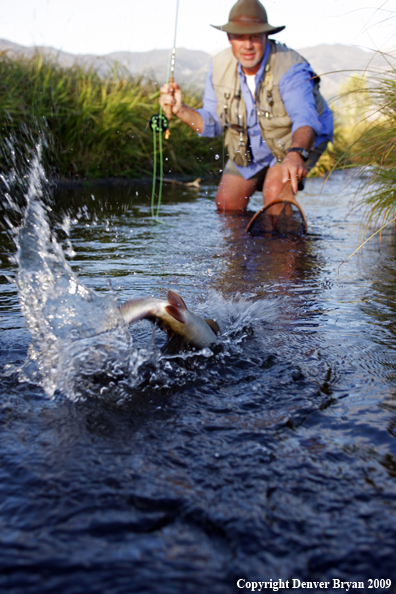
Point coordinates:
[[238, 145], [278, 109]]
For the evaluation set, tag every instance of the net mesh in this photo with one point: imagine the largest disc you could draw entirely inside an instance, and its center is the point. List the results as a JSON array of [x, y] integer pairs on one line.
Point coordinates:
[[284, 218]]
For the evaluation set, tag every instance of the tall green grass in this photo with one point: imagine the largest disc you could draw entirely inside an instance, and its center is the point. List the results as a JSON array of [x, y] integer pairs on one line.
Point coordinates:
[[375, 152], [95, 126], [365, 139], [351, 109]]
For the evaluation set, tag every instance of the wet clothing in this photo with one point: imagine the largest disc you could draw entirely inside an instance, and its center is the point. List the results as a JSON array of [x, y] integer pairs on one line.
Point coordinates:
[[295, 94]]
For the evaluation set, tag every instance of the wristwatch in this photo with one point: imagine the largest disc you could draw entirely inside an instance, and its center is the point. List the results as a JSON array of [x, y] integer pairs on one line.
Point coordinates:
[[301, 151]]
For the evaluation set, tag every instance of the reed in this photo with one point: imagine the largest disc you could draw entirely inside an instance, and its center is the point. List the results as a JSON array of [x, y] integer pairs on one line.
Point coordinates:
[[351, 109], [377, 153], [365, 139], [95, 126]]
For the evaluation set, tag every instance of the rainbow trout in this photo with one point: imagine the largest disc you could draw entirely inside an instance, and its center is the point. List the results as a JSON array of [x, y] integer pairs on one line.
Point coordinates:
[[174, 317]]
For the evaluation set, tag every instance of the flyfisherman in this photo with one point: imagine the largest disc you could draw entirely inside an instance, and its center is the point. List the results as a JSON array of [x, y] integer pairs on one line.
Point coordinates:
[[266, 96]]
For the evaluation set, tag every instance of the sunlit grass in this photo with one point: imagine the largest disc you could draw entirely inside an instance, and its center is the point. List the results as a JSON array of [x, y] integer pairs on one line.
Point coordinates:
[[95, 126], [365, 138], [377, 154]]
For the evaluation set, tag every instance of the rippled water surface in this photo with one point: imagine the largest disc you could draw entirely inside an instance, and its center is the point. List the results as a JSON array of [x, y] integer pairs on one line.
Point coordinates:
[[272, 456]]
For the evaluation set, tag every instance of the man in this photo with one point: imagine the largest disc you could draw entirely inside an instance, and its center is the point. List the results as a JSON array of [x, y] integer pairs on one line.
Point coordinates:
[[267, 98]]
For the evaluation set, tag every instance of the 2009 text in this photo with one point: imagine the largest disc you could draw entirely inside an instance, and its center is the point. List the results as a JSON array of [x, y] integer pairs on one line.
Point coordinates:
[[379, 584]]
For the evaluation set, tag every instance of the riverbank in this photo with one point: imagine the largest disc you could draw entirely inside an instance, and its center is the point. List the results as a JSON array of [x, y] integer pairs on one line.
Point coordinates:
[[94, 127], [125, 182], [97, 127]]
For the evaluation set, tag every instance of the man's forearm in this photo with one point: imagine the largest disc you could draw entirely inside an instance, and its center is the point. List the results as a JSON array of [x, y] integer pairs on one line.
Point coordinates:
[[192, 118], [303, 137]]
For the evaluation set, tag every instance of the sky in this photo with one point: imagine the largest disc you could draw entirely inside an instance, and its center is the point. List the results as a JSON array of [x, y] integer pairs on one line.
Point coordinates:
[[100, 27]]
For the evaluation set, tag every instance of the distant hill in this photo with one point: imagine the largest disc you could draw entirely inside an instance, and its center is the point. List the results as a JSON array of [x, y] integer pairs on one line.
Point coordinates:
[[191, 66], [334, 63]]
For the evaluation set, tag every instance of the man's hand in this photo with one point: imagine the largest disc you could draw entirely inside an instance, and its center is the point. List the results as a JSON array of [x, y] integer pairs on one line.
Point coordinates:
[[171, 101], [293, 169], [293, 166], [171, 98]]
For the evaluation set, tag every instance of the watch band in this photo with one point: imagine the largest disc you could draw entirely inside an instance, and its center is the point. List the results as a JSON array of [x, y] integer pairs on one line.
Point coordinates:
[[301, 151]]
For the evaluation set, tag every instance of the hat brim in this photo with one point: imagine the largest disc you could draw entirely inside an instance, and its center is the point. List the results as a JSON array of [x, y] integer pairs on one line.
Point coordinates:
[[248, 28]]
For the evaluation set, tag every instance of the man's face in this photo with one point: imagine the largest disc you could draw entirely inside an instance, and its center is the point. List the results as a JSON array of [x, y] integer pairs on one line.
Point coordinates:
[[248, 50]]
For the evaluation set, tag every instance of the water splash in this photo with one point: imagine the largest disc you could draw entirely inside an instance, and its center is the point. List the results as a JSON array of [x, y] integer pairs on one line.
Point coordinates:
[[76, 332], [242, 315], [81, 345]]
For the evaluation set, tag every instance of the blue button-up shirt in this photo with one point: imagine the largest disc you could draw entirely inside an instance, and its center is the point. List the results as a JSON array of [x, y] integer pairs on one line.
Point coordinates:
[[295, 89]]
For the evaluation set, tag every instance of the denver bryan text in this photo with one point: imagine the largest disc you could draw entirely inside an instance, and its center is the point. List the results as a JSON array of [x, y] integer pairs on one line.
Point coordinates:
[[276, 585]]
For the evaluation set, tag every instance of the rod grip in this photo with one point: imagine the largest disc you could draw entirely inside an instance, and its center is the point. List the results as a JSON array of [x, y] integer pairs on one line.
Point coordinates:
[[168, 113]]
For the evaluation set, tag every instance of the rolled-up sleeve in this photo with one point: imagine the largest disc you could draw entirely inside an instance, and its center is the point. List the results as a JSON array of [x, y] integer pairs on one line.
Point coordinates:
[[296, 91], [212, 126]]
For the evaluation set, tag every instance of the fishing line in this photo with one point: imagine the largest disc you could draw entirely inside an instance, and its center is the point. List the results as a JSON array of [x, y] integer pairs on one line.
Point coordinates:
[[154, 169], [159, 124]]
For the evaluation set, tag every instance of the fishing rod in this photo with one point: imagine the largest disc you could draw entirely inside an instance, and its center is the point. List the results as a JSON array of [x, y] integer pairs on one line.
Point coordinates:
[[158, 121], [159, 124], [168, 109]]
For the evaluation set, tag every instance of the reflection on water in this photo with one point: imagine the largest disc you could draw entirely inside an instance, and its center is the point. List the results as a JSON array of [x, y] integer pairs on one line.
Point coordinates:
[[270, 457], [261, 263]]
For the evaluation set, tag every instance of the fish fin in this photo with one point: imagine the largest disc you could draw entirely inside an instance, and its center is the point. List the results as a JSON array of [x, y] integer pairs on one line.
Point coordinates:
[[175, 312], [176, 300], [213, 325]]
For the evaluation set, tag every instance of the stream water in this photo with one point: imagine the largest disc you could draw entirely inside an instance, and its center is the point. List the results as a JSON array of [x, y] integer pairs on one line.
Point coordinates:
[[270, 457]]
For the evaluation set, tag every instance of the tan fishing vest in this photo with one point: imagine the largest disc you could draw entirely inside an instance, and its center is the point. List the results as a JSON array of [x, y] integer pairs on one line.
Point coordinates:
[[274, 121]]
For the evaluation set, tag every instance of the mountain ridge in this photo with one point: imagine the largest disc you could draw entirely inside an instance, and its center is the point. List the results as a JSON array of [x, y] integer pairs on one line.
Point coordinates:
[[333, 63]]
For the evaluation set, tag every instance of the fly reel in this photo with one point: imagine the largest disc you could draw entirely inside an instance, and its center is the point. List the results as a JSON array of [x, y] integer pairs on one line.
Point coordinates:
[[159, 123]]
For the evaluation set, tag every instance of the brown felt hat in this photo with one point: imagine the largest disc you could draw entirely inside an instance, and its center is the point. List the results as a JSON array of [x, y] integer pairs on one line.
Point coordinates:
[[248, 17]]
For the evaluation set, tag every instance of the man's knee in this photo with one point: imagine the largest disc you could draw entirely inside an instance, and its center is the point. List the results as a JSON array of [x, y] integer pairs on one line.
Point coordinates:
[[233, 193]]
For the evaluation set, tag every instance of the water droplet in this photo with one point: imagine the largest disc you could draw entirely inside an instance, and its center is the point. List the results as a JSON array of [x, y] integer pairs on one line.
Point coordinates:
[[217, 157]]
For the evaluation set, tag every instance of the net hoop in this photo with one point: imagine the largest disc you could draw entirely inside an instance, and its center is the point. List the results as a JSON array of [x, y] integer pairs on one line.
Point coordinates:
[[278, 200]]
